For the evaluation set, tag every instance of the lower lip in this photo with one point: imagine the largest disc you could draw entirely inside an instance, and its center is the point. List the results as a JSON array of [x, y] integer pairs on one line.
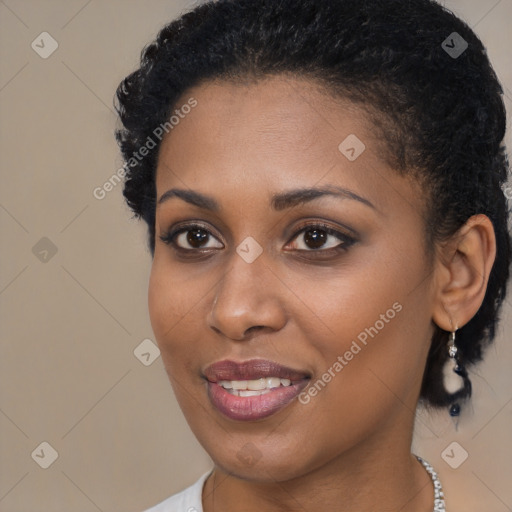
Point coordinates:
[[250, 408]]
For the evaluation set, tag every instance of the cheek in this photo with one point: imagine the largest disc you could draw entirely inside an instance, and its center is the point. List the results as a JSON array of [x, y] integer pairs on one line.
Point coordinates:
[[178, 305], [386, 374], [170, 301], [162, 307], [361, 295], [376, 316]]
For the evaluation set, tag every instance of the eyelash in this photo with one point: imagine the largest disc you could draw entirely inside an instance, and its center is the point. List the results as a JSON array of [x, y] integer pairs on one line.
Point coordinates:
[[346, 241]]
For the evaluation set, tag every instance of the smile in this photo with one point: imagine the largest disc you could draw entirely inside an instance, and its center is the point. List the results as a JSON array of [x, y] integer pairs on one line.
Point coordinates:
[[254, 389]]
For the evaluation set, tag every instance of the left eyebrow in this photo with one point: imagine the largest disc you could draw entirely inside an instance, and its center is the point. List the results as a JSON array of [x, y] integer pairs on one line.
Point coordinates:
[[295, 197], [279, 201]]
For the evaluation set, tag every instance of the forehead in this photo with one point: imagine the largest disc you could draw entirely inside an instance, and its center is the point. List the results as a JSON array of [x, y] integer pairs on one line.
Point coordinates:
[[279, 132]]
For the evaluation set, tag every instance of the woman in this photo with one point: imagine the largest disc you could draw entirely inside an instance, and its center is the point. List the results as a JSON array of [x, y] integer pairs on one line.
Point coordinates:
[[322, 183]]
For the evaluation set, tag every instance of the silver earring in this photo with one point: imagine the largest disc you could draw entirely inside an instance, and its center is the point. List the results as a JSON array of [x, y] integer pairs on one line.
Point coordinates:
[[454, 375]]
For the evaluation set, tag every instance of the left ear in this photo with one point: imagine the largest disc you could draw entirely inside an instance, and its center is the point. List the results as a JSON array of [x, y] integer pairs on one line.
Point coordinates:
[[463, 267]]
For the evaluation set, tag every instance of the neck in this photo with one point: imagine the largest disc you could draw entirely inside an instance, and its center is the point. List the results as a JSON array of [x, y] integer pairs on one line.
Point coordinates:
[[369, 478]]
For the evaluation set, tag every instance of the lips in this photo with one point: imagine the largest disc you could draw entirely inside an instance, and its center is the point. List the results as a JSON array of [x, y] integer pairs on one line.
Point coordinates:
[[280, 386], [251, 370]]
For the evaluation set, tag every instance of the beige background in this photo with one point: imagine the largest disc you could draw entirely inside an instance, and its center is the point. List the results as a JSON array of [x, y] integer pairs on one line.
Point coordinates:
[[69, 325]]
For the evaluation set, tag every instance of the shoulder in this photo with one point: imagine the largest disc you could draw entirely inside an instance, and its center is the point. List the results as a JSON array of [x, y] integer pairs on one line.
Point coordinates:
[[188, 500]]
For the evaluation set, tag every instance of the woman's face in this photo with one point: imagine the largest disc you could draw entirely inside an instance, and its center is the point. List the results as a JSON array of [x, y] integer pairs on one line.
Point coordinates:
[[290, 294]]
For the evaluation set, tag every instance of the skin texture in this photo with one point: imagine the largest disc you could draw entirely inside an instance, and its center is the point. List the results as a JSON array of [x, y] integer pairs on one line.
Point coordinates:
[[349, 447]]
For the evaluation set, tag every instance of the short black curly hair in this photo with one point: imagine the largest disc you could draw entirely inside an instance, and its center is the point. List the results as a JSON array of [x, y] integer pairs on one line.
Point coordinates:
[[441, 114]]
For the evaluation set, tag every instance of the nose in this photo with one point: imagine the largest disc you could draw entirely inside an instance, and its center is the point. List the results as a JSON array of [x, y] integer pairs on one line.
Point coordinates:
[[248, 300]]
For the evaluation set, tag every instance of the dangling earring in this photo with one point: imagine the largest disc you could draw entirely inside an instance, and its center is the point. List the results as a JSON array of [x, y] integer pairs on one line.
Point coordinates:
[[454, 374]]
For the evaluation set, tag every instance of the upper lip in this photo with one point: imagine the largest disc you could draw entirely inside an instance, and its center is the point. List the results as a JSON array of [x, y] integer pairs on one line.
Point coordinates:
[[250, 370]]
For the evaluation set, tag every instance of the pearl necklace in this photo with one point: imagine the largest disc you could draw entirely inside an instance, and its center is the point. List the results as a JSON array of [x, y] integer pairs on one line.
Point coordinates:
[[439, 504]]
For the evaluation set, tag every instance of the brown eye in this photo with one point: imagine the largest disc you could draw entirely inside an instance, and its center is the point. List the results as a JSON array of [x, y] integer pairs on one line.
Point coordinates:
[[192, 238], [315, 238], [197, 237], [319, 238]]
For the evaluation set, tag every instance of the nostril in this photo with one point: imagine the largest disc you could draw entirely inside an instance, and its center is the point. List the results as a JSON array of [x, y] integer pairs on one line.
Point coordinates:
[[254, 328]]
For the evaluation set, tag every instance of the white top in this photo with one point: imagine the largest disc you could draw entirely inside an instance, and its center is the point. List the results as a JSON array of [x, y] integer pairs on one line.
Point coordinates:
[[189, 500]]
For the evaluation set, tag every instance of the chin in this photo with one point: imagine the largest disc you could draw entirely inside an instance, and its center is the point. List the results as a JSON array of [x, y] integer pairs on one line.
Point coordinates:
[[261, 458]]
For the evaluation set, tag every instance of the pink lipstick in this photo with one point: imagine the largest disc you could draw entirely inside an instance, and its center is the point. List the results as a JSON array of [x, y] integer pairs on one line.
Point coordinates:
[[254, 389]]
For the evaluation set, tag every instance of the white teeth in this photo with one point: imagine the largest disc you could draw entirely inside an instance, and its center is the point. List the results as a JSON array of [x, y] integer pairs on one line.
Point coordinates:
[[247, 392], [253, 387], [273, 382], [257, 385]]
